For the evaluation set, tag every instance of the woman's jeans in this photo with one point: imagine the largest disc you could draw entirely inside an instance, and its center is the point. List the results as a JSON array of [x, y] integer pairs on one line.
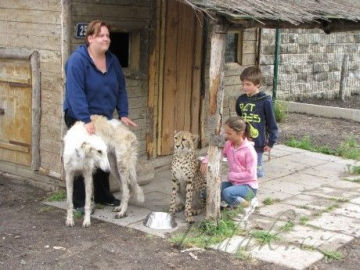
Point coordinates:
[[234, 195]]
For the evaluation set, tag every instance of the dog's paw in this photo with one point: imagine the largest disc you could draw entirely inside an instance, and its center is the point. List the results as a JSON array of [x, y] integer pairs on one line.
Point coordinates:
[[86, 223], [120, 215], [69, 223]]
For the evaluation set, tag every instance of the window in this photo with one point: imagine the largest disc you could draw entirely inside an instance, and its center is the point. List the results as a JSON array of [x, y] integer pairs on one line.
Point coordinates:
[[120, 46], [233, 51]]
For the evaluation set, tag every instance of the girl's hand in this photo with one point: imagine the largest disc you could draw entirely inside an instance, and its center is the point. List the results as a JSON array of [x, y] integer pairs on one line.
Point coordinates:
[[126, 121], [90, 128], [203, 168], [267, 148]]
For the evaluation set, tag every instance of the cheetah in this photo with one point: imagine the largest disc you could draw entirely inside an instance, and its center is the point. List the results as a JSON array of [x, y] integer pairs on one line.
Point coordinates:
[[188, 181]]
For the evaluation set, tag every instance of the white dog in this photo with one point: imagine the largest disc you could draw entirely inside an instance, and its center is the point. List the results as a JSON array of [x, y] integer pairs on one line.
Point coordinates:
[[83, 154], [122, 154]]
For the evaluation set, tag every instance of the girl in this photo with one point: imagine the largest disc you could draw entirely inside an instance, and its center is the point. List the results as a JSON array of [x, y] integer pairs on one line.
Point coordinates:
[[242, 184]]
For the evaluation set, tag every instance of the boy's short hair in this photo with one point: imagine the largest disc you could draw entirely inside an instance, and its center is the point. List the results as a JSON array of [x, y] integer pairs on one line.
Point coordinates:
[[252, 74]]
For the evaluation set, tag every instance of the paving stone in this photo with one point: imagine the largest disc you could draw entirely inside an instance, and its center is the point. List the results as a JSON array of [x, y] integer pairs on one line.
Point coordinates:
[[278, 168], [306, 236], [356, 200], [331, 192], [349, 210], [289, 256], [338, 223], [330, 170], [309, 202], [264, 193], [282, 186], [307, 181], [308, 160], [283, 211]]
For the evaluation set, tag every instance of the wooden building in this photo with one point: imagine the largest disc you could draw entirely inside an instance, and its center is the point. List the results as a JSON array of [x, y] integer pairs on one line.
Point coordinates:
[[172, 53]]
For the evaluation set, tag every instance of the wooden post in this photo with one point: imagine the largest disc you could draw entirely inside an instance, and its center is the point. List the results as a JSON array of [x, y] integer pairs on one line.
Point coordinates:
[[215, 111]]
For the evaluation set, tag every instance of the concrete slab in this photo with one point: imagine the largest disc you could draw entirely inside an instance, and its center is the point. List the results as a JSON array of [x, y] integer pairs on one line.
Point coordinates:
[[263, 194], [349, 210], [157, 201], [289, 256], [282, 185], [307, 181], [134, 214], [330, 170], [306, 236], [283, 212], [280, 167], [337, 223], [309, 202], [331, 192], [356, 200]]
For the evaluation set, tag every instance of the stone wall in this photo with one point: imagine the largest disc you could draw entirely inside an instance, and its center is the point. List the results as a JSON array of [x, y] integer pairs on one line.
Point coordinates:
[[311, 62]]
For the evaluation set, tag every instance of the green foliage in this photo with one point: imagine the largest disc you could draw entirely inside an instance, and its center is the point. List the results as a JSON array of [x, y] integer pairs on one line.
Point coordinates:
[[348, 149], [280, 111], [303, 220], [264, 236], [57, 196], [270, 201], [330, 255], [288, 226], [207, 232]]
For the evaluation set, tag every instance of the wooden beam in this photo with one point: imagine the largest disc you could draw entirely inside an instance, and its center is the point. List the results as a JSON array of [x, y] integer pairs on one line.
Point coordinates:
[[216, 95], [331, 26]]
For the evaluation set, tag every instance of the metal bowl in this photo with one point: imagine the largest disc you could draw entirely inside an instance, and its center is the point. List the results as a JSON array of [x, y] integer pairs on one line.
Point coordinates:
[[160, 221]]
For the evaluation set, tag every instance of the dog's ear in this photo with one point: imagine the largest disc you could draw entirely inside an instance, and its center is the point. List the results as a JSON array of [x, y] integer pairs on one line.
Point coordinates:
[[86, 147]]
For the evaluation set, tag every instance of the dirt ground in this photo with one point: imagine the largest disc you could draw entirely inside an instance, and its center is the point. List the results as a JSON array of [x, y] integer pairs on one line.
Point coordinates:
[[33, 236]]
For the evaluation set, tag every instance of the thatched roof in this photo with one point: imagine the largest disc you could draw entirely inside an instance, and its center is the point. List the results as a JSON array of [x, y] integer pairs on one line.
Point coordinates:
[[284, 13]]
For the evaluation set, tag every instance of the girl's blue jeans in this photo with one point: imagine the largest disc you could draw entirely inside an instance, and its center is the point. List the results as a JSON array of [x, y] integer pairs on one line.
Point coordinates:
[[260, 169], [233, 195]]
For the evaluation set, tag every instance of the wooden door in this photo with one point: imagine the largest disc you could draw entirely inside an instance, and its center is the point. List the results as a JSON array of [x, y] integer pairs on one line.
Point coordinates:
[[181, 73], [15, 111]]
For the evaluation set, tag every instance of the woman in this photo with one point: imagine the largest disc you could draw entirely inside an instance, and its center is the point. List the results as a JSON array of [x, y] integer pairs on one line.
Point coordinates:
[[95, 84]]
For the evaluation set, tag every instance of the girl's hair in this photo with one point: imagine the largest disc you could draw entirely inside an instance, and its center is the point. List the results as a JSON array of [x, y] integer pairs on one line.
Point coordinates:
[[239, 125], [94, 27], [252, 74]]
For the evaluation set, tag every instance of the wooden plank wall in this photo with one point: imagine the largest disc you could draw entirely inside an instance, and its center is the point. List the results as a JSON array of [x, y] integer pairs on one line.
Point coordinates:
[[132, 16], [36, 25]]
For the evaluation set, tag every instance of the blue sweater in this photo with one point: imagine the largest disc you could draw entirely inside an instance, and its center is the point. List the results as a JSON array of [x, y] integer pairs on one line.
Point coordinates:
[[257, 110], [89, 91]]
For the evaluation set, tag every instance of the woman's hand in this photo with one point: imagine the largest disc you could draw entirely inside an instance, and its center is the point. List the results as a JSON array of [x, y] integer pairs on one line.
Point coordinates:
[[90, 128], [127, 121]]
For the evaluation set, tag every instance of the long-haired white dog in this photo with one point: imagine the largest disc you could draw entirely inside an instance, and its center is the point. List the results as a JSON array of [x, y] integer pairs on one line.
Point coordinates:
[[122, 153], [116, 145], [83, 154]]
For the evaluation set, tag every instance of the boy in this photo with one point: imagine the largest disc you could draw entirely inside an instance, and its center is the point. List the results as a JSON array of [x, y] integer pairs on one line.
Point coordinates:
[[256, 108]]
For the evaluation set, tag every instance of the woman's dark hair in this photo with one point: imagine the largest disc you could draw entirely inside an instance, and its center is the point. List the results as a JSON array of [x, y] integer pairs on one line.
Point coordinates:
[[94, 27], [239, 124]]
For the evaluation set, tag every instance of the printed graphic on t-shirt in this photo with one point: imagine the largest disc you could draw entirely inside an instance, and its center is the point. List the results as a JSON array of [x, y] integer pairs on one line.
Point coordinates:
[[249, 115]]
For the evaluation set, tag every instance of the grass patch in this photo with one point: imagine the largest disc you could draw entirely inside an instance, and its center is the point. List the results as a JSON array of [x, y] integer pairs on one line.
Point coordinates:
[[331, 255], [45, 209], [270, 201], [331, 207], [356, 169], [242, 254], [78, 214], [356, 180], [348, 149], [280, 111], [287, 227], [303, 220], [264, 237], [340, 200], [57, 196], [99, 206], [207, 233]]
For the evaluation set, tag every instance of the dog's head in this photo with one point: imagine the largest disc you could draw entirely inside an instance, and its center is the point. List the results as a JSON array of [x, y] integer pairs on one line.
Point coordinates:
[[95, 150]]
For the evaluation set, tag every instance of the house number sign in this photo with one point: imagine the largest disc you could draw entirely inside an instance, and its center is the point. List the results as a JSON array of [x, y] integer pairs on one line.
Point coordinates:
[[80, 30]]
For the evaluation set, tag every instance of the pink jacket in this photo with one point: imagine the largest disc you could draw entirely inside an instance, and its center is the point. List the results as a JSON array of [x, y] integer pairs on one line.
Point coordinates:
[[242, 163]]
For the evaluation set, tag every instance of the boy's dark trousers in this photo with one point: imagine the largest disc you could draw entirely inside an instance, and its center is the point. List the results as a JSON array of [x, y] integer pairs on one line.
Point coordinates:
[[102, 192]]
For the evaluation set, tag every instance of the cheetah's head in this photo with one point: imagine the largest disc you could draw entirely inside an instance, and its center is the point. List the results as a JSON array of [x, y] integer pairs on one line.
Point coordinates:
[[184, 141]]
